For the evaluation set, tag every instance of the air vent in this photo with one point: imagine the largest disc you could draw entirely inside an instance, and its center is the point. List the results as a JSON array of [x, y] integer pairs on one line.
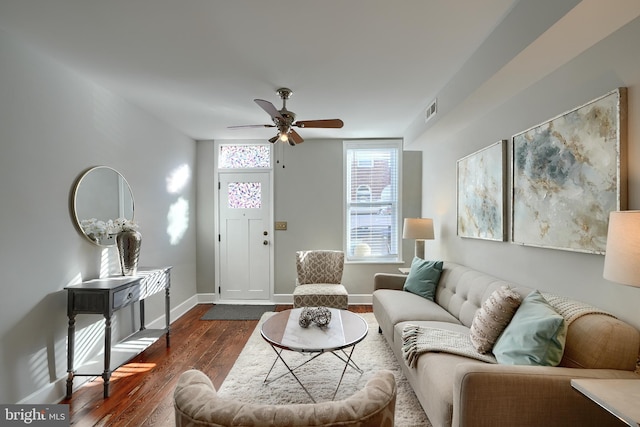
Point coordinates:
[[431, 111]]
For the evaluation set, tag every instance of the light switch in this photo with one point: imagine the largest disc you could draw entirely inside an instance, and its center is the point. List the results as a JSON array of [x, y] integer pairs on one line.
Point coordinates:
[[281, 225]]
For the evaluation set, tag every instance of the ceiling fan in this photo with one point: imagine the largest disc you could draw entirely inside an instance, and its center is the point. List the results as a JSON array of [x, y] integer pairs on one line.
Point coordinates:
[[285, 120]]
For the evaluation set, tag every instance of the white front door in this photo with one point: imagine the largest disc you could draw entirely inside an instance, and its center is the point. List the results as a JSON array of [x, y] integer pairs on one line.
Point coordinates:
[[245, 236]]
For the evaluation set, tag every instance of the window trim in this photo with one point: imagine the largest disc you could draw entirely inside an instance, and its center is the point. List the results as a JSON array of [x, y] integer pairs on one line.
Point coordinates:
[[396, 144]]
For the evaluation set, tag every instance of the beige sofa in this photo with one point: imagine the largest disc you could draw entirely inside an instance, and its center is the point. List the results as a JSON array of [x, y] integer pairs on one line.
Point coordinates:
[[460, 391], [196, 403]]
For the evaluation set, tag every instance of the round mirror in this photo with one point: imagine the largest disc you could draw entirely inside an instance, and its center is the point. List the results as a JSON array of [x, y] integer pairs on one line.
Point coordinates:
[[101, 195]]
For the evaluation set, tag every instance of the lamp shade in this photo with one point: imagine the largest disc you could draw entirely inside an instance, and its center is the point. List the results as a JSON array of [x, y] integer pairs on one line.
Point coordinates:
[[418, 228], [622, 257]]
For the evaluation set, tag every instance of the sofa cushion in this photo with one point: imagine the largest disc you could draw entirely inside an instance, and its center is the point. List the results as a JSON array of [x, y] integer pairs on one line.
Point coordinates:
[[423, 278], [392, 307], [434, 377], [535, 336], [494, 315]]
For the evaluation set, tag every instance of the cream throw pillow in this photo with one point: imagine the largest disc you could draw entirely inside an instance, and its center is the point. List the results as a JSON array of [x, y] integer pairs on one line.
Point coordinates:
[[493, 317]]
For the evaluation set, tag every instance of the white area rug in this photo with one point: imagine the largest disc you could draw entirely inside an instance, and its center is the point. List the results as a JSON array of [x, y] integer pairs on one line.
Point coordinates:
[[320, 376]]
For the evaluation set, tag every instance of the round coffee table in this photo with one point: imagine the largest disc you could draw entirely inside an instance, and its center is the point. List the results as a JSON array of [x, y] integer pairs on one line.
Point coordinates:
[[283, 332]]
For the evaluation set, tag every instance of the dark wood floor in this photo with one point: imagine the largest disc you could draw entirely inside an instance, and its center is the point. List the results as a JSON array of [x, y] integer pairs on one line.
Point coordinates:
[[142, 390]]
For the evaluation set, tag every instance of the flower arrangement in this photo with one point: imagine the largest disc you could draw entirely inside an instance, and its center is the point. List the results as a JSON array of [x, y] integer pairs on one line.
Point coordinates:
[[97, 230]]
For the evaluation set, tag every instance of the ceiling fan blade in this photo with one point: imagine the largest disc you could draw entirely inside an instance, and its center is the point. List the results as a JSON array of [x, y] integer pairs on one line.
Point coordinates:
[[274, 139], [251, 126], [329, 123], [295, 137], [269, 108]]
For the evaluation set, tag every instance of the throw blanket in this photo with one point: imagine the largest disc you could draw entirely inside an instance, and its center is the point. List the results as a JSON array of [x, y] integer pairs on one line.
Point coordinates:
[[571, 310], [417, 340]]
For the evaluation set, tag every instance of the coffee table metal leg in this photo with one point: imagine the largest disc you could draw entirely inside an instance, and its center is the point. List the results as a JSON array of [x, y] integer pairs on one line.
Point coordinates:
[[347, 363], [273, 365], [279, 356], [348, 359]]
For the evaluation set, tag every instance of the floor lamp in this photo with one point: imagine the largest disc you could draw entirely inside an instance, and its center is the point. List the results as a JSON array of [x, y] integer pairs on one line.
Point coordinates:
[[622, 256], [420, 229]]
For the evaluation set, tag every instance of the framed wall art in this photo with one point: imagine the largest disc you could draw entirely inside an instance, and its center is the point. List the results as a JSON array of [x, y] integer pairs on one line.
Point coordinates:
[[567, 175], [481, 188]]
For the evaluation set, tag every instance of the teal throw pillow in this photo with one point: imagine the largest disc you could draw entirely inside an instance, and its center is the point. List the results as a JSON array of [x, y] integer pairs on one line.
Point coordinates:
[[535, 336], [423, 278]]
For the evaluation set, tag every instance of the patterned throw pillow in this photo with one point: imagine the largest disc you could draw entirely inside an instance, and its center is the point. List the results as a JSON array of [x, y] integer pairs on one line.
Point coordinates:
[[493, 317]]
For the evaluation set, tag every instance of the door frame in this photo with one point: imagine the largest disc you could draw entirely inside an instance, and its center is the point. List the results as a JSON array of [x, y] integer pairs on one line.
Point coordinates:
[[216, 212]]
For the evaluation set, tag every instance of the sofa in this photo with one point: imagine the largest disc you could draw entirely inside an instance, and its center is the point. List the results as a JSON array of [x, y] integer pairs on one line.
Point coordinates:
[[456, 390], [196, 403]]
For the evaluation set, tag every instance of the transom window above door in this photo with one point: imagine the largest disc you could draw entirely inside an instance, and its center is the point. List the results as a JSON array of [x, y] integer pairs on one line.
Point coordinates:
[[244, 156]]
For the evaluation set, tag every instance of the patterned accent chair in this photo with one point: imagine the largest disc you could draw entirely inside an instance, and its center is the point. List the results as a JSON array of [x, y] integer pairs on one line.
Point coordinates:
[[319, 282], [196, 403]]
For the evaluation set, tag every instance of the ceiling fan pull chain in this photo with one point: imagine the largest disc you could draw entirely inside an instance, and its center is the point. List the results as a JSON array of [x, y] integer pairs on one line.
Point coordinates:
[[283, 152]]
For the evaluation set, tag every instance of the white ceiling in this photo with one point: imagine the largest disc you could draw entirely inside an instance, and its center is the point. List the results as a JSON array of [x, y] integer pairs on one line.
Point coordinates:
[[198, 64], [376, 64]]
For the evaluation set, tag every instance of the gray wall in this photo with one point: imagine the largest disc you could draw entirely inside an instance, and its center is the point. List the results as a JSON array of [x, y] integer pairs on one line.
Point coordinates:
[[611, 63], [53, 125], [308, 195]]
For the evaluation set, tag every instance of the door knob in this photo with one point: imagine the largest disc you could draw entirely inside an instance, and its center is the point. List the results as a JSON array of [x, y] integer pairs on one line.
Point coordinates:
[[265, 242]]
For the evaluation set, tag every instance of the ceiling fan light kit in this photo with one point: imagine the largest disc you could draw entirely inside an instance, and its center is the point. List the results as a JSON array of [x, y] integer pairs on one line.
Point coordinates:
[[284, 120]]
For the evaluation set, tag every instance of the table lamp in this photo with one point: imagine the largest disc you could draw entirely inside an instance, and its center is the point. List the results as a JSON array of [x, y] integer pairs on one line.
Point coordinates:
[[420, 229], [622, 257]]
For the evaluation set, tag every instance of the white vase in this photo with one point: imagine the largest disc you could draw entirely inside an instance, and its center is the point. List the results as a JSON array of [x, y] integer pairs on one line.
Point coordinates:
[[128, 243]]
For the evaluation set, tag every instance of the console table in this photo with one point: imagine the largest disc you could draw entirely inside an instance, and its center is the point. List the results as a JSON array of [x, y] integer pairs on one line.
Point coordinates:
[[106, 296]]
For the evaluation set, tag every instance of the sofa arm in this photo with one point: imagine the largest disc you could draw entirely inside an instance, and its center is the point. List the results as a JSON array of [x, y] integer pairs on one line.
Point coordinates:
[[389, 281], [505, 395]]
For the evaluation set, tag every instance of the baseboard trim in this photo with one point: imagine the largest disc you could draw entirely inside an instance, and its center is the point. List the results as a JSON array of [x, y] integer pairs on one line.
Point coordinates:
[[208, 298]]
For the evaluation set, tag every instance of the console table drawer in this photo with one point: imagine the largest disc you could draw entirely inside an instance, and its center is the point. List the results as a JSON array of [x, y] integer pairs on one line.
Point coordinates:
[[126, 296], [89, 302], [153, 282]]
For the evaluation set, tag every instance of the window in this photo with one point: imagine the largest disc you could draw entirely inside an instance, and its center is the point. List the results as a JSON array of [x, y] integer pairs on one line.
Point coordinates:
[[244, 156], [372, 187], [244, 195]]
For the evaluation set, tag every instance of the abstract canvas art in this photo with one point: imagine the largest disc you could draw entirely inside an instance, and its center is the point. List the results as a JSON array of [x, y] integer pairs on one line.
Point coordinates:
[[568, 174], [481, 184]]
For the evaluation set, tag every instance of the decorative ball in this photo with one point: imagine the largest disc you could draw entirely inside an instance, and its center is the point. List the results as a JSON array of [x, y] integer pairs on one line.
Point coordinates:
[[306, 317], [322, 316]]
